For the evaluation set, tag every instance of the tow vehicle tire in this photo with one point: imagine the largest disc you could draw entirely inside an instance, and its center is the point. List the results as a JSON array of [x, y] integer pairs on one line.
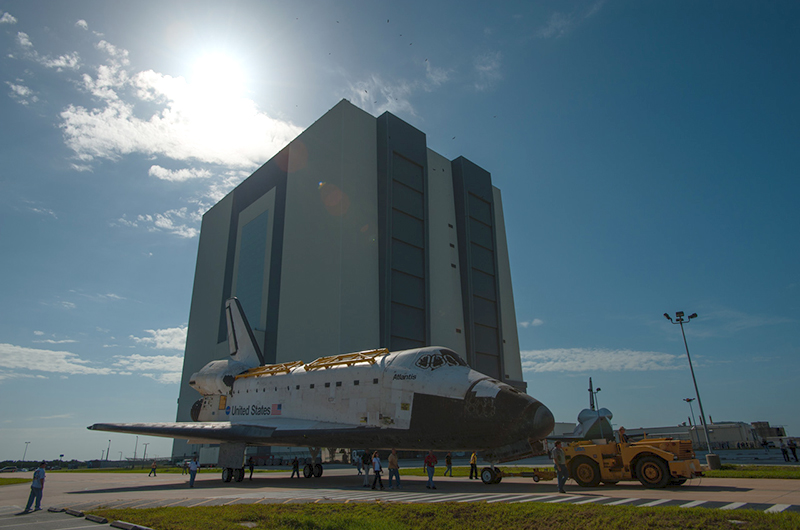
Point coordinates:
[[488, 475], [308, 471], [227, 474], [317, 470], [676, 481], [536, 478], [652, 472], [586, 472], [238, 474]]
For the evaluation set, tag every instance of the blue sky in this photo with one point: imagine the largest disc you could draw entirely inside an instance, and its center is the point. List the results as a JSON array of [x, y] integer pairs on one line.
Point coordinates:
[[647, 154]]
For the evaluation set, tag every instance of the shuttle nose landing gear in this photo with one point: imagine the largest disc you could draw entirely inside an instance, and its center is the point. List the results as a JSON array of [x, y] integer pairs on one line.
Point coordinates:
[[312, 470]]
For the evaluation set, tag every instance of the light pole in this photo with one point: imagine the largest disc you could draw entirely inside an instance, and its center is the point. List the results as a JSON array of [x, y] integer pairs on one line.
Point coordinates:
[[120, 456], [26, 452], [694, 423], [135, 447], [145, 453], [108, 451], [600, 418], [711, 459]]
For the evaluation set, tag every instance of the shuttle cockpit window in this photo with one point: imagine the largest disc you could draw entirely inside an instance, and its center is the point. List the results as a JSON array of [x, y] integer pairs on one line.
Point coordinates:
[[439, 359]]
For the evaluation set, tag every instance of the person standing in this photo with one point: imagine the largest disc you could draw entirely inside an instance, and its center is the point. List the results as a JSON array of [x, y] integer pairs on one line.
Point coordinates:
[[358, 464], [185, 468], [560, 461], [784, 449], [37, 486], [193, 466], [295, 467], [793, 448], [394, 469], [152, 469], [430, 465], [252, 465], [448, 461], [366, 468], [473, 465], [377, 469]]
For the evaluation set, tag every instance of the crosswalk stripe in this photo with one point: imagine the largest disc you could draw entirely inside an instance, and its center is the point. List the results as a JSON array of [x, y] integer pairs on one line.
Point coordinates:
[[656, 502], [692, 504], [535, 499], [592, 499], [621, 501], [507, 498], [732, 506], [564, 499], [777, 508]]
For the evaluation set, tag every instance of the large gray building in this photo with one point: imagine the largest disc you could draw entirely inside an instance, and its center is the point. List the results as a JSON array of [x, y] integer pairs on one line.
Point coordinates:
[[357, 236]]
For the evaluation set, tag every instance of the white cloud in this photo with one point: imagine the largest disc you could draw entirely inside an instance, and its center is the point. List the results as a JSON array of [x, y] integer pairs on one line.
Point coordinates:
[[177, 222], [178, 175], [597, 360], [162, 368], [190, 123], [36, 360], [21, 93], [535, 322], [68, 305], [51, 341], [164, 339], [7, 18], [70, 61], [38, 333], [487, 67], [82, 24], [562, 23]]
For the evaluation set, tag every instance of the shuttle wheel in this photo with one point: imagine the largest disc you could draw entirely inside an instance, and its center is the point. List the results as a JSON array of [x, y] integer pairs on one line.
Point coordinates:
[[488, 476], [227, 474], [317, 470], [498, 476], [238, 474], [308, 471]]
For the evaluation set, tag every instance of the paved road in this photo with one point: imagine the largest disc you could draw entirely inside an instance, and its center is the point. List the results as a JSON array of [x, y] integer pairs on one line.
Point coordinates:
[[85, 491]]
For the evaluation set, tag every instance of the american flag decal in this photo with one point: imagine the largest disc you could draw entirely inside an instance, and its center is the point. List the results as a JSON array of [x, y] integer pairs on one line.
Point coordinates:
[[276, 410]]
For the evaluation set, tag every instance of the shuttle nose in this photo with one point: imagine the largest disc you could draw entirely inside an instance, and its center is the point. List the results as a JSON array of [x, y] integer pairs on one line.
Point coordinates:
[[535, 421]]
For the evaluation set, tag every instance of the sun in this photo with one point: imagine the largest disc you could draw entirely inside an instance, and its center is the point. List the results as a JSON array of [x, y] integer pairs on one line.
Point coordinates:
[[218, 73]]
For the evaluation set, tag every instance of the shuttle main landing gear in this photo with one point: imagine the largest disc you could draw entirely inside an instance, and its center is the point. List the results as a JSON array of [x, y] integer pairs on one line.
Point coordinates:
[[229, 473], [312, 470]]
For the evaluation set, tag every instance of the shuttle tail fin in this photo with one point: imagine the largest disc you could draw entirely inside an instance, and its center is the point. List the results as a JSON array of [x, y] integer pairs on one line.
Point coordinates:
[[241, 342]]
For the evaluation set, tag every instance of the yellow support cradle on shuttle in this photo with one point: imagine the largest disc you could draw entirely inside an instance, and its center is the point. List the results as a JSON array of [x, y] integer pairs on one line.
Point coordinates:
[[346, 359], [271, 369]]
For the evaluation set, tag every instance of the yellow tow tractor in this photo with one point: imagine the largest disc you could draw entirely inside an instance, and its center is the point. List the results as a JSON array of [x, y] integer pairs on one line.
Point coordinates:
[[655, 462]]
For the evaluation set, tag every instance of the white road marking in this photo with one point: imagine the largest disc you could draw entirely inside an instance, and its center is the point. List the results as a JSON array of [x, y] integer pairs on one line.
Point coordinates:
[[732, 506], [621, 501], [507, 498], [655, 503], [692, 504], [535, 499], [565, 499], [777, 508], [593, 499]]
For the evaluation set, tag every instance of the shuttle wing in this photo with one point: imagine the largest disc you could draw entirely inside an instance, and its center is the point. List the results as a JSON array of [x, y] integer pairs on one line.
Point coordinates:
[[273, 432]]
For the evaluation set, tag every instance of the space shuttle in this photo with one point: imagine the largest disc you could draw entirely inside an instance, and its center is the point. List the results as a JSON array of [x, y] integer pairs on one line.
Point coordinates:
[[418, 399]]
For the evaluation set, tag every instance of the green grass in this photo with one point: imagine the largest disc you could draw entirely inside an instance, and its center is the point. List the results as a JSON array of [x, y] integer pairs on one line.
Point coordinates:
[[447, 516], [7, 481], [736, 471]]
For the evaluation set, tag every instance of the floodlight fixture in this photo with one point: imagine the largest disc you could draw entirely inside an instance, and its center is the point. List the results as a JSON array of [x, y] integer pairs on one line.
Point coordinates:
[[693, 315]]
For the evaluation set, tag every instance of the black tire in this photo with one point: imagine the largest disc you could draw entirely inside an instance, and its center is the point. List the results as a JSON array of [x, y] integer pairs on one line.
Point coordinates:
[[227, 474], [536, 478], [308, 471], [498, 476], [488, 475], [586, 472], [317, 470], [652, 472], [238, 474]]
